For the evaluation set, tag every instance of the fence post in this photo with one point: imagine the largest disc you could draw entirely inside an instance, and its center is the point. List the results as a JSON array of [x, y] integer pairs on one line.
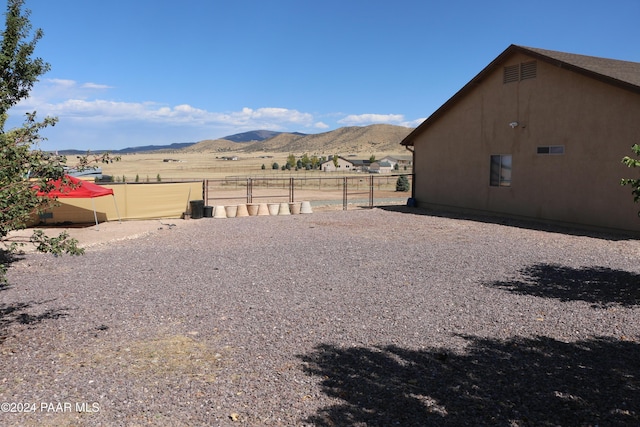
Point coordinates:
[[344, 194], [371, 191], [205, 191], [249, 190], [291, 185]]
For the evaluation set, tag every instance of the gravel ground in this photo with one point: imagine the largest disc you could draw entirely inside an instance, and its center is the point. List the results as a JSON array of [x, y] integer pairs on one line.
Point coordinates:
[[375, 317]]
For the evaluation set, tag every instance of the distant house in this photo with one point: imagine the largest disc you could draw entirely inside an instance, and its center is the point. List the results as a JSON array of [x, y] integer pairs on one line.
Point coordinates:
[[344, 165], [380, 167], [536, 134], [361, 165], [400, 161]]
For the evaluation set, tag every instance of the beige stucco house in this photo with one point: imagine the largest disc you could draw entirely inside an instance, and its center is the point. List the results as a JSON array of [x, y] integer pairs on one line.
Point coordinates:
[[537, 134], [344, 165], [381, 167]]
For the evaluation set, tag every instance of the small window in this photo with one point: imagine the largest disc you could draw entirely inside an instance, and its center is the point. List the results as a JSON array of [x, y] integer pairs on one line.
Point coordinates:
[[543, 150], [551, 149], [500, 175]]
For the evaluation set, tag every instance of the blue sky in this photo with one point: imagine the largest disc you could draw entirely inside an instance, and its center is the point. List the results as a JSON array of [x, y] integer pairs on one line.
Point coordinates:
[[138, 72]]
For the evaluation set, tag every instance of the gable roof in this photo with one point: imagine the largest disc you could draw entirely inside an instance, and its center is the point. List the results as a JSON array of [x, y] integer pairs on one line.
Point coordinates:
[[340, 157], [623, 74]]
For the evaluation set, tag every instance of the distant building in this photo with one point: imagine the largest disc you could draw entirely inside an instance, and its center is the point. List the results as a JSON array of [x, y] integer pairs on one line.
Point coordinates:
[[361, 165], [400, 161], [344, 165], [380, 167]]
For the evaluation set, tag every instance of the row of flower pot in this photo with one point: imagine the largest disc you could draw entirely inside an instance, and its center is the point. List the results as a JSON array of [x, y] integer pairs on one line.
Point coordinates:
[[259, 209]]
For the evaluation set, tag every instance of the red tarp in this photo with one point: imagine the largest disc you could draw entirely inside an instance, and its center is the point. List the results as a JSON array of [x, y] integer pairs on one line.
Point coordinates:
[[82, 190]]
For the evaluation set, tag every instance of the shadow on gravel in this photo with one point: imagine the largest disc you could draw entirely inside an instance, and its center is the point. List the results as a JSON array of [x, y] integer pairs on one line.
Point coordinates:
[[524, 382], [600, 286], [17, 313], [511, 222], [6, 259]]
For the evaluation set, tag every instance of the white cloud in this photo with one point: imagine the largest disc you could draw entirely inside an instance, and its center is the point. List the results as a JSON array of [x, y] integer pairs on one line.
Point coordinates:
[[415, 123], [62, 83], [88, 121], [367, 119], [95, 86]]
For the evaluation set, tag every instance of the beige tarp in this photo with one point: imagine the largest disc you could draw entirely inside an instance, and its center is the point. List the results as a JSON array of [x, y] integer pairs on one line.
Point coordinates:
[[135, 201]]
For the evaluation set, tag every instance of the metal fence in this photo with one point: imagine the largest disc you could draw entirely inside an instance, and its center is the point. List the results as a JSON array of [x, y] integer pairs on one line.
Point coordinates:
[[354, 190]]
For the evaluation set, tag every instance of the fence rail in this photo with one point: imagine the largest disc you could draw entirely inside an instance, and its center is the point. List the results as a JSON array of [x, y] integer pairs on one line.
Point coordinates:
[[361, 190]]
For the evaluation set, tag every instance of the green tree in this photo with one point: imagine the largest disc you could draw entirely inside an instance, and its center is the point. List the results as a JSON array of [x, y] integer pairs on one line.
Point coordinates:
[[24, 167], [305, 161], [402, 184], [291, 161], [263, 167], [315, 162], [137, 178], [633, 182], [372, 158], [158, 179], [275, 166], [335, 161]]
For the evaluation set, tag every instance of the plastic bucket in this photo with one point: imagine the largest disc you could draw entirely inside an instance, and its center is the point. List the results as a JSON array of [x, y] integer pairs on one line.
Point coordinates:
[[305, 208], [252, 209], [263, 209], [220, 212], [294, 208], [231, 211], [274, 208], [208, 211], [197, 208], [242, 211], [284, 209]]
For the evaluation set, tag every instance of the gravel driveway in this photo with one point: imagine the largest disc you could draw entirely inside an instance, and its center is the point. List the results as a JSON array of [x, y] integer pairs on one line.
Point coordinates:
[[341, 318]]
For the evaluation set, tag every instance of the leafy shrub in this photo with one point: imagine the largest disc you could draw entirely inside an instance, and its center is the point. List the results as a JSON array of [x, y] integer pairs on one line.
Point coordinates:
[[402, 184]]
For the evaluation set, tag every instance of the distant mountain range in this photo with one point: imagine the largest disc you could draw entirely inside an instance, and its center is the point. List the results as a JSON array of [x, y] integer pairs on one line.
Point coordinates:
[[255, 135], [354, 139]]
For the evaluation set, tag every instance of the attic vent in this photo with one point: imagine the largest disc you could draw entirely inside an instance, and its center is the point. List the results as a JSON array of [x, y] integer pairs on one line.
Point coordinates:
[[511, 73], [522, 71], [528, 70]]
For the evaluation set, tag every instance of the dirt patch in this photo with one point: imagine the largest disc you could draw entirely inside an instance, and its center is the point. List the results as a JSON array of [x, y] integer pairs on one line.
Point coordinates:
[[92, 235]]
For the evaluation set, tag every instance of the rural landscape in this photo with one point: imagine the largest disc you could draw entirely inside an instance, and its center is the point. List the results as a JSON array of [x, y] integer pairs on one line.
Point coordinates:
[[208, 159]]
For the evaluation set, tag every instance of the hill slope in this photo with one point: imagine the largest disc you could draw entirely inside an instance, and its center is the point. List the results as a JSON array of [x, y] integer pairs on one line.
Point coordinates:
[[347, 140], [254, 135], [213, 145]]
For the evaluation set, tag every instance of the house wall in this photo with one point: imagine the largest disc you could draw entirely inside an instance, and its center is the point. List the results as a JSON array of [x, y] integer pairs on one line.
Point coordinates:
[[596, 123]]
